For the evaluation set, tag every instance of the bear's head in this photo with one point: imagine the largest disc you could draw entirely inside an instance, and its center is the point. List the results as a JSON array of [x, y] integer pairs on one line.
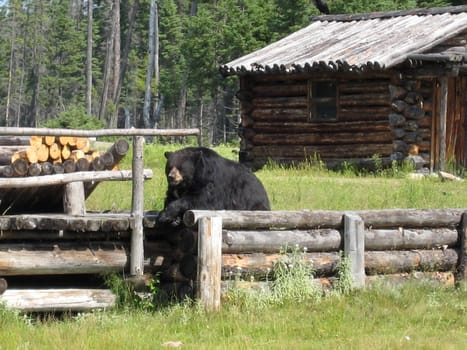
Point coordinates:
[[181, 167]]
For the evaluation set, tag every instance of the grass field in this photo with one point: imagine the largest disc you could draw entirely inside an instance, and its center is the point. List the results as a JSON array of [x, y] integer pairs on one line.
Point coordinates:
[[416, 316]]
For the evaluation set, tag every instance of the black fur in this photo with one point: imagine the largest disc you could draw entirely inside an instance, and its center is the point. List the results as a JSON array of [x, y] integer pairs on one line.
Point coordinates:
[[209, 182]]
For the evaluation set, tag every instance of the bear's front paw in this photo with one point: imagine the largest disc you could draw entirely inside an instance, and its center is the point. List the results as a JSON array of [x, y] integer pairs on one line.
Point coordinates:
[[165, 218]]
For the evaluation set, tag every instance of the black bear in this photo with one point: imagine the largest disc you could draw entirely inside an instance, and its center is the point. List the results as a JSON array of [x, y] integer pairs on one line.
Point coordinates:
[[199, 178]]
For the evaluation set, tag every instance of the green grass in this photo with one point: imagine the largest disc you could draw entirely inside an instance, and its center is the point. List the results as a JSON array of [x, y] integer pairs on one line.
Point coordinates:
[[415, 316], [301, 187]]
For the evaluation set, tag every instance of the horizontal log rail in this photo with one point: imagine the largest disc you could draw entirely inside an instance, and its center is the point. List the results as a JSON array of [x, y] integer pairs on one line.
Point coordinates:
[[53, 300], [79, 176], [302, 219], [96, 133]]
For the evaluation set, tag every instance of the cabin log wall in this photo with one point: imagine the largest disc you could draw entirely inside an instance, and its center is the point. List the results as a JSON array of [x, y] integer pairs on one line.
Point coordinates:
[[390, 115]]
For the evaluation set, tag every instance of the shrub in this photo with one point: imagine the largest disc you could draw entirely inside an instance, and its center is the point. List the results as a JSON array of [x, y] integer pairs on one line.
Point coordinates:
[[74, 118]]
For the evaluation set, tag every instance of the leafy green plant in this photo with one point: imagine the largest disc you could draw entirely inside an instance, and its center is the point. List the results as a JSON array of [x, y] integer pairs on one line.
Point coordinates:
[[128, 298], [343, 284], [74, 118], [294, 277]]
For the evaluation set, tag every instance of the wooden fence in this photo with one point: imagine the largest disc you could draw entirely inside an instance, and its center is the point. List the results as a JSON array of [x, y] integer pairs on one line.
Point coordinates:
[[394, 242], [76, 243]]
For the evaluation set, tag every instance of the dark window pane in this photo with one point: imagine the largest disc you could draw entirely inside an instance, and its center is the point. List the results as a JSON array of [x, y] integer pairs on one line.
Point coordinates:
[[324, 89]]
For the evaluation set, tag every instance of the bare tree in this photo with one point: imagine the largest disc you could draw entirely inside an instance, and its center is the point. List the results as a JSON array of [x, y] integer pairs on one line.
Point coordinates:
[[89, 61], [151, 62], [125, 53]]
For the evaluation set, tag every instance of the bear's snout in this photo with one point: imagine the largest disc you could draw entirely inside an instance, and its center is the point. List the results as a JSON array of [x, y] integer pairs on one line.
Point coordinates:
[[174, 177]]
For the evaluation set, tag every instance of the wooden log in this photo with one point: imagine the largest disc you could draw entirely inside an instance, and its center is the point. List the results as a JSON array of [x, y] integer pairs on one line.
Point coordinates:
[[273, 127], [298, 152], [35, 140], [383, 262], [58, 168], [20, 167], [34, 169], [461, 273], [260, 265], [280, 102], [209, 263], [6, 171], [49, 140], [91, 222], [56, 300], [280, 90], [69, 166], [61, 258], [97, 164], [119, 149], [137, 234], [55, 151], [272, 241], [321, 138], [108, 160], [354, 248], [73, 199], [12, 131], [280, 114], [83, 144], [3, 285], [66, 151], [60, 179], [82, 164], [304, 219], [6, 140], [403, 238]]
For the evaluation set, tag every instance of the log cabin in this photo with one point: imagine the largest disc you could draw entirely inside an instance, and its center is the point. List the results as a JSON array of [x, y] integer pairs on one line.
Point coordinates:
[[356, 88]]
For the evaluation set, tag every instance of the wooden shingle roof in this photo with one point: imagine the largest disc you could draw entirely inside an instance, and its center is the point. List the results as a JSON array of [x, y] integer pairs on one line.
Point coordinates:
[[359, 42]]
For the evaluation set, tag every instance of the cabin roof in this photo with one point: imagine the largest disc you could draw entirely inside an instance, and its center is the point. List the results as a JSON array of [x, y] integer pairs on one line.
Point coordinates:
[[360, 42]]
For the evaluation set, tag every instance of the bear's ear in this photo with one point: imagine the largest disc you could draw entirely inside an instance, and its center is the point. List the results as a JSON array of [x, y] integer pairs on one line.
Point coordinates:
[[167, 154]]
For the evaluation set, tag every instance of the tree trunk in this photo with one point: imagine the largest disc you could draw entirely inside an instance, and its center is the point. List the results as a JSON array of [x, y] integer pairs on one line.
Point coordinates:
[[89, 61], [125, 53], [113, 118], [150, 68]]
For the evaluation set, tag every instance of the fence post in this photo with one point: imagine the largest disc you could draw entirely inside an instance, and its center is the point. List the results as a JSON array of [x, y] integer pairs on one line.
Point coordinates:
[[354, 247], [461, 274], [209, 262], [137, 244]]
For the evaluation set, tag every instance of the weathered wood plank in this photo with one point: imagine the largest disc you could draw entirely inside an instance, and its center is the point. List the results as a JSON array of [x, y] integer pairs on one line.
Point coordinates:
[[61, 179], [384, 218], [62, 258], [273, 127], [322, 138], [272, 241], [98, 132], [260, 266], [51, 300]]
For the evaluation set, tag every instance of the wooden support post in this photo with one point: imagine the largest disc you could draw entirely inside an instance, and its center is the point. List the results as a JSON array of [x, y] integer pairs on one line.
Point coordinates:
[[442, 122], [209, 262], [461, 273], [137, 237], [354, 247], [74, 202]]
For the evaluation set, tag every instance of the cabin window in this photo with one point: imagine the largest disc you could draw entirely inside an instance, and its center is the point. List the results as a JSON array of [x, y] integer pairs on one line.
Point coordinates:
[[323, 100]]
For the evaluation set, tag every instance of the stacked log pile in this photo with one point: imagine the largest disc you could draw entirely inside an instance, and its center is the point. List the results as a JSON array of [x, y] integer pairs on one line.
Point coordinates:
[[50, 155], [46, 155], [411, 120]]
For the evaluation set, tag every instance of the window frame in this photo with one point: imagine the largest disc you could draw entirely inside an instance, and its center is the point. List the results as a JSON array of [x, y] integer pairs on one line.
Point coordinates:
[[313, 102]]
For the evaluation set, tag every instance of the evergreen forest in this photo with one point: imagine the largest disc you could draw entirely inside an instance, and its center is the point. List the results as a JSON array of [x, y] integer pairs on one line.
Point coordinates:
[[143, 63]]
